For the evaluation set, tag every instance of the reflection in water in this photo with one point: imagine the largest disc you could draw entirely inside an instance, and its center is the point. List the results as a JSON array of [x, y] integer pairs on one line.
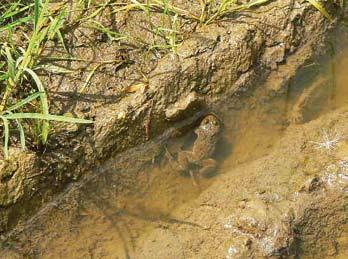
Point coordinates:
[[105, 217]]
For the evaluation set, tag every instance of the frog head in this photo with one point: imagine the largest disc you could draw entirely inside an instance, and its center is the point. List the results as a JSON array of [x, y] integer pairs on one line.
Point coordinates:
[[210, 125]]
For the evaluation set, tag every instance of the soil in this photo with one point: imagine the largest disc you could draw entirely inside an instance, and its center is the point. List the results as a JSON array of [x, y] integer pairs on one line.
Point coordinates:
[[219, 65]]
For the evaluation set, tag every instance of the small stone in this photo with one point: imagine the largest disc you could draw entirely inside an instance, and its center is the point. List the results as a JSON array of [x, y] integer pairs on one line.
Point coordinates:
[[248, 243], [242, 204], [178, 109], [311, 185]]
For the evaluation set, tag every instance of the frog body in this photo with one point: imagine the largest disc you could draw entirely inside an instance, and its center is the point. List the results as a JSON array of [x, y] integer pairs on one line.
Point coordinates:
[[203, 148]]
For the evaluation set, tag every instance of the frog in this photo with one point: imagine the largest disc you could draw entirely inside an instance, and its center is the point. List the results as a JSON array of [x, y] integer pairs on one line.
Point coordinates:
[[203, 148]]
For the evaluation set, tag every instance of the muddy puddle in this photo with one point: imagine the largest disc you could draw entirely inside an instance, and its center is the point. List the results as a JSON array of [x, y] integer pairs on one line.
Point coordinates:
[[129, 206]]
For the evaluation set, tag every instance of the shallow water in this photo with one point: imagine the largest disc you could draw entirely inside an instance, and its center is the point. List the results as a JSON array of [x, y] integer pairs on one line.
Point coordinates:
[[105, 217]]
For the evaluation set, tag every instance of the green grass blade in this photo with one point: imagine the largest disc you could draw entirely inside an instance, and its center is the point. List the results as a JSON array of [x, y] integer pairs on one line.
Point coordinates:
[[43, 103], [56, 25], [141, 6], [321, 9], [36, 14], [68, 58], [21, 134], [11, 67], [55, 69], [62, 41], [88, 80], [6, 136], [15, 23], [47, 117], [253, 3], [24, 101], [112, 35], [3, 77]]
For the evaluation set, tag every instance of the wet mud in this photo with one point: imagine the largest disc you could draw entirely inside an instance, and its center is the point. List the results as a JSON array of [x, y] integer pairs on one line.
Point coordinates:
[[280, 186]]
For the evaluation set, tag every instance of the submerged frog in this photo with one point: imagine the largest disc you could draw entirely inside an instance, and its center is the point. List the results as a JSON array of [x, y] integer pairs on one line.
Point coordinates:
[[203, 148]]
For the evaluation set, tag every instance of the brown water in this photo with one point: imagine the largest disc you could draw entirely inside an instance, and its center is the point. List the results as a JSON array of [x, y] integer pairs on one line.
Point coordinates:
[[105, 217]]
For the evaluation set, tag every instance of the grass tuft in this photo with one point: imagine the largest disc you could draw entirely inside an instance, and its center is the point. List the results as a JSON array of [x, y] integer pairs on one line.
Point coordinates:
[[18, 69]]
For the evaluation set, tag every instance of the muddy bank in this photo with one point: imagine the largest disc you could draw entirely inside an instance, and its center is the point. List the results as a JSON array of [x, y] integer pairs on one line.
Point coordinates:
[[218, 61]]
